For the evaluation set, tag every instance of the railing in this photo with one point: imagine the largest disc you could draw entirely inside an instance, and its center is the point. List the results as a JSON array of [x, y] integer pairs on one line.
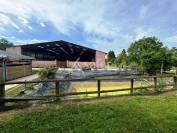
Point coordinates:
[[3, 99]]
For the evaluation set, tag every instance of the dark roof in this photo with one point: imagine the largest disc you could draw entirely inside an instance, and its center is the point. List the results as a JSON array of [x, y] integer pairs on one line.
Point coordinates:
[[61, 42], [13, 56]]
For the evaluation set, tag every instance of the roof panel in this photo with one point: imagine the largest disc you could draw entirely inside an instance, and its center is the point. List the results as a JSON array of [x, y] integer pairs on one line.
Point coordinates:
[[13, 56], [60, 43]]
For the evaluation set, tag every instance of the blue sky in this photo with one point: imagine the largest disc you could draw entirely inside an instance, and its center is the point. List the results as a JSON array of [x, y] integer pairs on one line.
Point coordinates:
[[101, 24]]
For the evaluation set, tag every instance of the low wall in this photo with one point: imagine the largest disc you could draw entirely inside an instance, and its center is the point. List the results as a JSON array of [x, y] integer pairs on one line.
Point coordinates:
[[36, 63], [69, 64]]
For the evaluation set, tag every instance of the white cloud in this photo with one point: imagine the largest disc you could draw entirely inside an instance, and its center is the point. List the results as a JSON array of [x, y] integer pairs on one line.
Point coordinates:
[[97, 19], [5, 20], [2, 36], [29, 27], [171, 39], [42, 25], [27, 41], [115, 44], [23, 20], [140, 33], [64, 14], [20, 31]]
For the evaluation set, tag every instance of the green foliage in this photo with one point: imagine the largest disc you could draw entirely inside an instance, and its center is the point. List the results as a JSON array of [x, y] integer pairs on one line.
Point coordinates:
[[162, 86], [46, 72], [174, 56], [121, 59], [150, 114], [150, 55], [5, 43], [111, 58]]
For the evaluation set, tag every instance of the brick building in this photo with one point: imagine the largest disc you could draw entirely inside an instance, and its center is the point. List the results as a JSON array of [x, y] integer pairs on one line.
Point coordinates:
[[61, 54]]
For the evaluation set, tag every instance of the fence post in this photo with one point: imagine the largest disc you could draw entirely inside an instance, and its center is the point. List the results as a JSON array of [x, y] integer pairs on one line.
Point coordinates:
[[99, 86], [2, 95], [25, 84], [155, 82], [57, 88], [132, 84], [175, 82]]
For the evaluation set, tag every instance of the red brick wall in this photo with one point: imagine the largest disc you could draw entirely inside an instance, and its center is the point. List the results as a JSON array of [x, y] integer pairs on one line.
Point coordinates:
[[14, 50], [100, 59], [37, 63], [100, 63]]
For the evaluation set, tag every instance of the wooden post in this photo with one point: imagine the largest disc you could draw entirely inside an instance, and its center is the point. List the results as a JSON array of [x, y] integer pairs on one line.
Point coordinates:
[[4, 70], [175, 82], [132, 84], [155, 82], [2, 95], [99, 86], [57, 88], [25, 84]]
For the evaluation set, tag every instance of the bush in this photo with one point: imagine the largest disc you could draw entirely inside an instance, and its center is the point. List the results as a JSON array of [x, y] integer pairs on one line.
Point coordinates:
[[46, 72]]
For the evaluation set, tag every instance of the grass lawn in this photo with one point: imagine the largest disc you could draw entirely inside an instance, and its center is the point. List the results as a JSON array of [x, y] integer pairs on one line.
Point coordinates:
[[15, 91], [150, 114]]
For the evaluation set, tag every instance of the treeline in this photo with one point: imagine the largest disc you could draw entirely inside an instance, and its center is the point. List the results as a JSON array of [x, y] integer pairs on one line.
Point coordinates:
[[147, 55], [4, 43]]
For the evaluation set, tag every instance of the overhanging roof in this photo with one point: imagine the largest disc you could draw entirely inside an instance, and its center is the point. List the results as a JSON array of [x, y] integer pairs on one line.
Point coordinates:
[[61, 43], [60, 50], [13, 56]]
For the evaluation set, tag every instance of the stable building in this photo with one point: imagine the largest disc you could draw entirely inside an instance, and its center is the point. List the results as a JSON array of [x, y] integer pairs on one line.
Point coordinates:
[[13, 66], [61, 54]]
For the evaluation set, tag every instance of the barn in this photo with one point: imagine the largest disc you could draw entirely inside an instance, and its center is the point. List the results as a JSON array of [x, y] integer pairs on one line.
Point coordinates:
[[14, 66], [61, 54]]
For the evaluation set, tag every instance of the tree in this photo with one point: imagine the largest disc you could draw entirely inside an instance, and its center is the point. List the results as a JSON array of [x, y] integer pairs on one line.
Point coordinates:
[[174, 57], [111, 57], [150, 55], [121, 59], [5, 43], [156, 61]]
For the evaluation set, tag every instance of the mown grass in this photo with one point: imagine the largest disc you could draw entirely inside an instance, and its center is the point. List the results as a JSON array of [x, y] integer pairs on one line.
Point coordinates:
[[152, 114], [17, 90]]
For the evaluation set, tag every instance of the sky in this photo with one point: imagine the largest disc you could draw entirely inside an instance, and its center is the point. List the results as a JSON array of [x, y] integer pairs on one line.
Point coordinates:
[[100, 24]]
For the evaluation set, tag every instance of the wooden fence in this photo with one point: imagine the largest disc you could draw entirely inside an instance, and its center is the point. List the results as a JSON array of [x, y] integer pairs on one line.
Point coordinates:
[[14, 71], [3, 99]]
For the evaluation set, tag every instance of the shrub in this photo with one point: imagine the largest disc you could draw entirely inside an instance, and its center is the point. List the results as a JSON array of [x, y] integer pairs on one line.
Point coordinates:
[[46, 72]]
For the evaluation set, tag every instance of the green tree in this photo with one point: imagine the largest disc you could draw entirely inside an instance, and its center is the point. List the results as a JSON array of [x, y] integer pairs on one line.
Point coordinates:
[[150, 55], [156, 61], [5, 43], [121, 59], [174, 57], [111, 57]]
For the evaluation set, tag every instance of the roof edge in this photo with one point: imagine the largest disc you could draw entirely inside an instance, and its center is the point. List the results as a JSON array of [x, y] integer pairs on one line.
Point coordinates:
[[59, 41]]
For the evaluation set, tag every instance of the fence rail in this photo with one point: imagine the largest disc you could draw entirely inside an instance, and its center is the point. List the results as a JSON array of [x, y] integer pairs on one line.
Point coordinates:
[[3, 99]]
